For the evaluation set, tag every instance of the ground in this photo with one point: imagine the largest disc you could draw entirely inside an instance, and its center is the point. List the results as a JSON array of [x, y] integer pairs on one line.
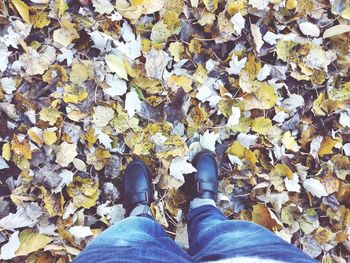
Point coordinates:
[[88, 85]]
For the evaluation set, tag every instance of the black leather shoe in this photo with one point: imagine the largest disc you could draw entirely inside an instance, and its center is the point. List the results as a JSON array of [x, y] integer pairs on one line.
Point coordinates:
[[206, 177], [137, 186]]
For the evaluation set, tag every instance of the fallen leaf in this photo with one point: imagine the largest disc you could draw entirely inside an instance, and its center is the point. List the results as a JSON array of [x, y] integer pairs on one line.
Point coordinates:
[[22, 9], [84, 192], [264, 217], [211, 5], [116, 65], [102, 116], [315, 187], [8, 250], [156, 62], [208, 140], [309, 29], [66, 152], [336, 30], [80, 72], [326, 146], [262, 125], [31, 241], [179, 166], [132, 103], [80, 232], [289, 142], [257, 37], [66, 34], [102, 6], [49, 137]]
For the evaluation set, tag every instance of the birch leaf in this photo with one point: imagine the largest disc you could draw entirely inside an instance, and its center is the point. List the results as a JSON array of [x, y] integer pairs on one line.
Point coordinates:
[[116, 65], [22, 9], [315, 187], [31, 242]]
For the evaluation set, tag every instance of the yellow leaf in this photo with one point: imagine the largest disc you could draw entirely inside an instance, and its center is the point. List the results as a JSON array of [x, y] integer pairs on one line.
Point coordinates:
[[236, 149], [211, 5], [49, 114], [316, 106], [122, 122], [116, 65], [22, 9], [264, 98], [35, 134], [49, 137], [39, 18], [250, 156], [235, 6], [160, 32], [326, 146], [176, 49], [62, 7], [98, 159], [75, 114], [66, 34], [56, 72], [84, 191], [137, 2], [171, 19], [261, 125], [346, 13], [31, 241], [289, 142], [331, 183], [65, 153], [284, 50], [6, 151], [283, 170], [305, 6], [173, 146], [90, 137], [74, 94], [253, 65], [323, 235], [176, 82], [195, 46], [341, 92], [264, 217], [80, 73], [21, 148], [291, 4], [22, 163], [243, 125], [52, 202]]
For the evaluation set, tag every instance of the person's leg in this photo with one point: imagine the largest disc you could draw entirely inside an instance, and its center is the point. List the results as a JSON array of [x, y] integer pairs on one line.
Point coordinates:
[[212, 237], [134, 239], [138, 238]]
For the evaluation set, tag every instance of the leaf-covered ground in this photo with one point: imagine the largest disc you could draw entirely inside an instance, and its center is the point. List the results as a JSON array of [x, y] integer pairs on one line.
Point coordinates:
[[88, 86]]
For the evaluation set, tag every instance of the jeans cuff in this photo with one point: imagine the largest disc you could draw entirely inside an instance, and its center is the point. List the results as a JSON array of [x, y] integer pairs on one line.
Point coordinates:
[[141, 210], [197, 202]]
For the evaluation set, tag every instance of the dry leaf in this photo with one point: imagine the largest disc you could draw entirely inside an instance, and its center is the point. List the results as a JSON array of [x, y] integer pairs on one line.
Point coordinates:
[[22, 9], [66, 152]]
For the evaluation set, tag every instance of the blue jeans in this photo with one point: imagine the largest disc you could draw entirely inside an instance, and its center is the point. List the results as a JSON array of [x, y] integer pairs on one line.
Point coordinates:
[[211, 236]]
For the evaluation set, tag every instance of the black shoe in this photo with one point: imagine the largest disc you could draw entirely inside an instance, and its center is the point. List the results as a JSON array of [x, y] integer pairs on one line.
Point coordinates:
[[206, 177], [137, 186]]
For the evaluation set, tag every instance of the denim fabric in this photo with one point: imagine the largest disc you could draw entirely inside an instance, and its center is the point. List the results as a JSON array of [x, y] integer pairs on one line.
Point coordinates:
[[211, 235]]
